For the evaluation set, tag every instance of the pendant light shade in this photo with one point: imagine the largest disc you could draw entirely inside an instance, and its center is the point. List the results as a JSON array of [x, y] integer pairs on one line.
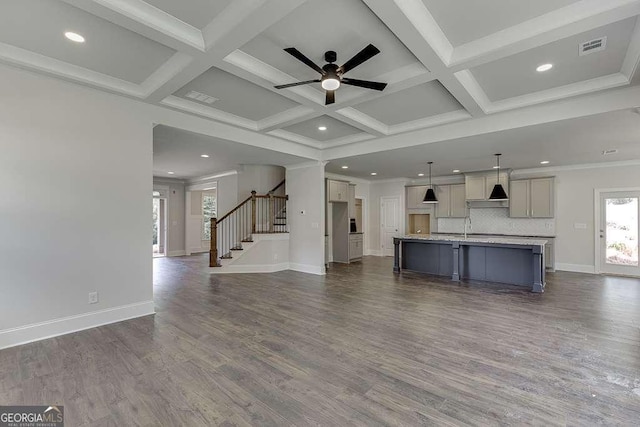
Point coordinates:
[[498, 192], [430, 196]]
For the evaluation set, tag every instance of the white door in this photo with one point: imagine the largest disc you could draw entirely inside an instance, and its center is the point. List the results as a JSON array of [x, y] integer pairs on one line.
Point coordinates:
[[389, 223], [619, 233]]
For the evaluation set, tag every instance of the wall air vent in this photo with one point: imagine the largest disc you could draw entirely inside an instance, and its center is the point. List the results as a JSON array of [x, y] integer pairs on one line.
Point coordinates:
[[608, 152], [201, 97], [592, 46]]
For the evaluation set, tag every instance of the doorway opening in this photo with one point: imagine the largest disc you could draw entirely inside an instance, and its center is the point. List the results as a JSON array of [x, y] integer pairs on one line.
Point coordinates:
[[159, 243], [618, 233]]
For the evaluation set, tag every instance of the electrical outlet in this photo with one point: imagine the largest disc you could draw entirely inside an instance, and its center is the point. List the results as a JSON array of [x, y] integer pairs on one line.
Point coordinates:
[[93, 297]]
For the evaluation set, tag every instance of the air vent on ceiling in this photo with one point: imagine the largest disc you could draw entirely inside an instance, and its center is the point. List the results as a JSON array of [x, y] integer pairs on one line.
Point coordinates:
[[592, 46], [607, 152], [201, 97]]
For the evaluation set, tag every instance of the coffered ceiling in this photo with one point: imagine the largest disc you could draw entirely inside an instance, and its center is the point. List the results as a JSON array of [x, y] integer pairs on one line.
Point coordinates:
[[454, 69]]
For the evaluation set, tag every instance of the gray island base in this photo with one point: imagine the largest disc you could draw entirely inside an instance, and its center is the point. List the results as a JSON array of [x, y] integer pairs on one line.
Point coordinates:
[[499, 260]]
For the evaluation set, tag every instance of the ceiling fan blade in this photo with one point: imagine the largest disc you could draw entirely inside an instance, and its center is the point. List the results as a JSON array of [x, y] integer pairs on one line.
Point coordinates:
[[306, 82], [300, 57], [362, 56], [364, 83], [331, 97]]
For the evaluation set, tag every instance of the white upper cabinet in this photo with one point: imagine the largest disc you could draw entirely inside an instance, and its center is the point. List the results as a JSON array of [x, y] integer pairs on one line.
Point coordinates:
[[478, 186], [452, 202], [415, 195], [475, 186], [338, 191], [532, 198], [352, 200]]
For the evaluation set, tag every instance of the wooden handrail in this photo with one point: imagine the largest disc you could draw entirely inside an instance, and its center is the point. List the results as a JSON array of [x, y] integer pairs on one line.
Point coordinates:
[[278, 186], [272, 196], [235, 209]]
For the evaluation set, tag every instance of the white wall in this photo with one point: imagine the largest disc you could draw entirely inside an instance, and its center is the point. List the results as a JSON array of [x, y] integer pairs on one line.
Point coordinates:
[[75, 168], [305, 187], [575, 248], [261, 178], [175, 214]]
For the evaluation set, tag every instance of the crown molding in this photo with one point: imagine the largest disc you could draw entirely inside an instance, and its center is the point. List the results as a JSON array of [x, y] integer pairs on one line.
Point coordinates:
[[549, 169]]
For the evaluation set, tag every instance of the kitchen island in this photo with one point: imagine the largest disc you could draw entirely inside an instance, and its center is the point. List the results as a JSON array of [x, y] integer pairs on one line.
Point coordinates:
[[500, 260]]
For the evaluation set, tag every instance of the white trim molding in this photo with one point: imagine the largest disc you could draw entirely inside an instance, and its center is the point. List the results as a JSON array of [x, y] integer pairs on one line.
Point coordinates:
[[576, 268], [66, 325], [318, 270]]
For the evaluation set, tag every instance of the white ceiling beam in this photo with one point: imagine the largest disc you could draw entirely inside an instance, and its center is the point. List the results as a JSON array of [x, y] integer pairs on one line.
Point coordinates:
[[587, 105], [568, 21], [240, 22], [146, 20], [412, 23]]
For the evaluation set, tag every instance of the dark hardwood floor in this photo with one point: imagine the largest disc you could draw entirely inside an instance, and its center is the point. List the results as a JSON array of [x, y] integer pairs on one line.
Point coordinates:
[[360, 346]]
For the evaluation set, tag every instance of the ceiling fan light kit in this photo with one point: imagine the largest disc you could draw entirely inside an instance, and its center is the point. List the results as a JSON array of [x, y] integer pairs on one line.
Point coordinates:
[[331, 75]]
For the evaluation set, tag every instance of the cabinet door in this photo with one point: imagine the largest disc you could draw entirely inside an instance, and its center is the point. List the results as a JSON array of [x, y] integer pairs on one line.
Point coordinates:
[[343, 191], [519, 200], [542, 198], [491, 181], [475, 188], [443, 193], [458, 201], [415, 196], [333, 190], [352, 201]]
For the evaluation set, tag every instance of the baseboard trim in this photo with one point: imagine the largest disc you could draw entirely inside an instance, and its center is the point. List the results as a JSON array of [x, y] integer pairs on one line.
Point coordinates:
[[264, 268], [576, 268], [306, 268], [372, 252], [66, 325], [176, 253]]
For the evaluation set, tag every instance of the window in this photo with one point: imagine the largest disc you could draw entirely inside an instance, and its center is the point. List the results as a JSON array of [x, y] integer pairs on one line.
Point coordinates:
[[208, 212]]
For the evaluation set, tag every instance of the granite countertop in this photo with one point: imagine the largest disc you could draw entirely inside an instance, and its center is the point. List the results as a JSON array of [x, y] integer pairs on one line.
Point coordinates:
[[513, 236], [476, 239]]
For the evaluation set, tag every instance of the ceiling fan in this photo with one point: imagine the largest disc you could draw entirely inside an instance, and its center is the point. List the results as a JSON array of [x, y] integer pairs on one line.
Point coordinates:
[[331, 74]]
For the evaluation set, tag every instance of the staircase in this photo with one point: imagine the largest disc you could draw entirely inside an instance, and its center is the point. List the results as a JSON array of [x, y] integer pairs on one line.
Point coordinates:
[[256, 215]]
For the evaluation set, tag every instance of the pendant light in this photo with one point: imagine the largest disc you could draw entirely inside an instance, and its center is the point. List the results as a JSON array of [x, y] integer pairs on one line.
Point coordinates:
[[430, 197], [498, 192]]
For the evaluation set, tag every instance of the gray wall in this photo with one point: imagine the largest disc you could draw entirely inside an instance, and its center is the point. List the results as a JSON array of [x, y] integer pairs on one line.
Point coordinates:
[[75, 211]]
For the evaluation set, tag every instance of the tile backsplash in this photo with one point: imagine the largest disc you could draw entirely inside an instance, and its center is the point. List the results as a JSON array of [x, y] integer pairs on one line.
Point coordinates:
[[497, 221]]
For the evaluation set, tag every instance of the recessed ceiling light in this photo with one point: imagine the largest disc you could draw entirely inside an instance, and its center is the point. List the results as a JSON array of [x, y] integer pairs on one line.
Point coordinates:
[[496, 167], [420, 174], [374, 173], [204, 156], [456, 171], [74, 37], [345, 167], [171, 173], [544, 67], [322, 128], [545, 162]]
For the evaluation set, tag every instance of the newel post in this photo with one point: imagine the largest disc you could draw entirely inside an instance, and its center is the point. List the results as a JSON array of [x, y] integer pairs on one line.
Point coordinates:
[[253, 211], [213, 251]]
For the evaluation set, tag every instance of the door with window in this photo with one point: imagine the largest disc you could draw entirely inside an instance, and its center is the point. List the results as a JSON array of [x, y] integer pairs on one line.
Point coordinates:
[[620, 213]]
